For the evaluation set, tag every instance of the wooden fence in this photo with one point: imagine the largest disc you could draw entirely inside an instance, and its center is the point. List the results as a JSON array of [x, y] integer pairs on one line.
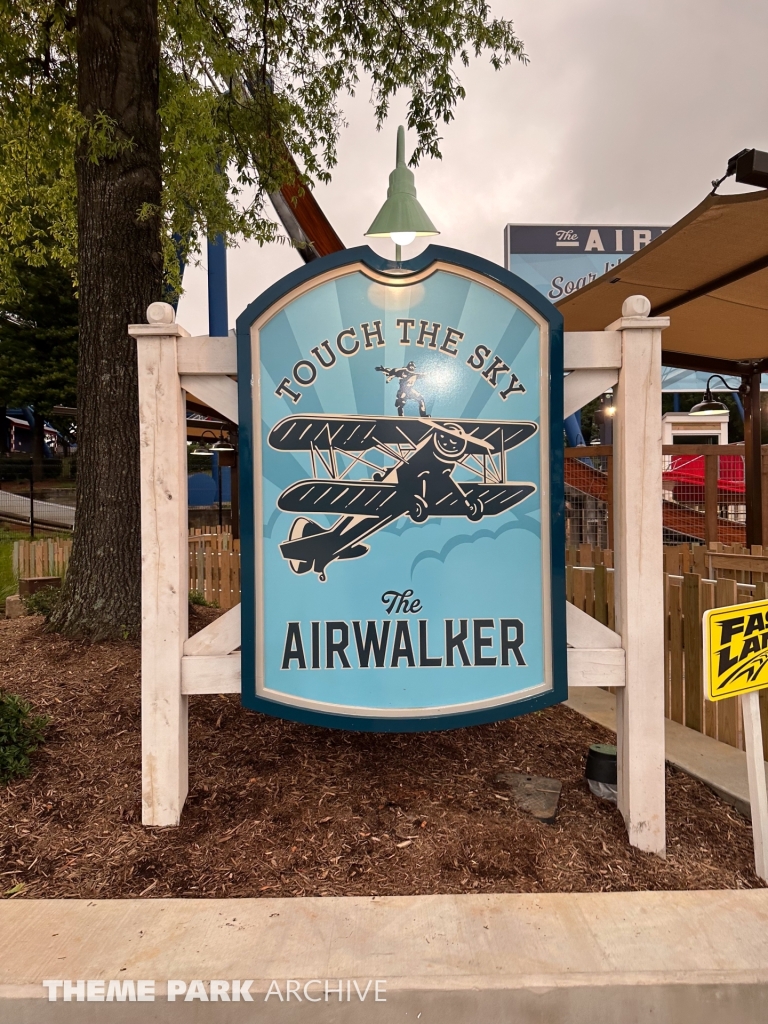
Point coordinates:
[[697, 578], [214, 563], [214, 566], [41, 557], [589, 582]]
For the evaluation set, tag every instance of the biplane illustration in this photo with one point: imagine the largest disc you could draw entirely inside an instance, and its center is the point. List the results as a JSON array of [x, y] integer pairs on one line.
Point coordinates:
[[413, 476]]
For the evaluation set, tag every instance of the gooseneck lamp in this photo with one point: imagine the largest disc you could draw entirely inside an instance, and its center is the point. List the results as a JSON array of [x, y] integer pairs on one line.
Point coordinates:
[[219, 444], [710, 406], [402, 217]]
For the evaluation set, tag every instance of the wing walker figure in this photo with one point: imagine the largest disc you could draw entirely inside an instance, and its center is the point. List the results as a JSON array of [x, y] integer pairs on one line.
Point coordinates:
[[406, 377]]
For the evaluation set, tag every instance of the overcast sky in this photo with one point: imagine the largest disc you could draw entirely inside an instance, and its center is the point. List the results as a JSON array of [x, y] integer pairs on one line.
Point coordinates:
[[624, 114]]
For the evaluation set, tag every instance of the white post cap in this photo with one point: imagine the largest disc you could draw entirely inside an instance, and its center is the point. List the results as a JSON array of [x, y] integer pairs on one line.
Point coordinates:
[[635, 305], [160, 313]]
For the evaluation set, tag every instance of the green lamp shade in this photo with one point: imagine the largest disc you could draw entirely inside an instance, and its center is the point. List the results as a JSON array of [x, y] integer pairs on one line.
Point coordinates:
[[402, 212]]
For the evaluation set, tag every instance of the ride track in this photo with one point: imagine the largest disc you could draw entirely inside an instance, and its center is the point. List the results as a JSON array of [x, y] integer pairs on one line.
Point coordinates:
[[676, 517]]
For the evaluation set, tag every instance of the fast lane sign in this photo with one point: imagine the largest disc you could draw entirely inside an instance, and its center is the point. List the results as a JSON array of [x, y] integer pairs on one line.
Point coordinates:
[[735, 650]]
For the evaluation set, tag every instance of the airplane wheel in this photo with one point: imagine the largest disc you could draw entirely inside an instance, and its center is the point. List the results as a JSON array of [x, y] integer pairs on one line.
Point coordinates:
[[301, 527], [419, 511], [475, 512], [299, 567]]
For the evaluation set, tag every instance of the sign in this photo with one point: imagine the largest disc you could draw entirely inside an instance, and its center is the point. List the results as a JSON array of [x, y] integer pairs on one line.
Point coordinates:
[[401, 497], [735, 649], [558, 259]]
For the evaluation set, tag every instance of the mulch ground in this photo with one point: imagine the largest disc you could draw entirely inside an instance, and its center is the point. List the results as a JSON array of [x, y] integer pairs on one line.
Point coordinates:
[[279, 809]]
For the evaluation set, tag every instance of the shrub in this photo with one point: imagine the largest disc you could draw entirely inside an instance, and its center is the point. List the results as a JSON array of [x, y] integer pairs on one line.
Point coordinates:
[[21, 733], [197, 597], [43, 602]]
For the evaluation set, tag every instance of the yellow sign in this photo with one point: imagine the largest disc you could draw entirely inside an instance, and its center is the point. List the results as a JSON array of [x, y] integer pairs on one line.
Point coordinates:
[[735, 649]]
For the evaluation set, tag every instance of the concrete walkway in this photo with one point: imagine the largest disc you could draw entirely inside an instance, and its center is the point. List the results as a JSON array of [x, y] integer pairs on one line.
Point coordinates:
[[583, 958], [719, 765], [616, 958]]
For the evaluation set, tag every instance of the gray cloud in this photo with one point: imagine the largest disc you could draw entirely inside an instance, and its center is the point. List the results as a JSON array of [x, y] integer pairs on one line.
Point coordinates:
[[625, 113]]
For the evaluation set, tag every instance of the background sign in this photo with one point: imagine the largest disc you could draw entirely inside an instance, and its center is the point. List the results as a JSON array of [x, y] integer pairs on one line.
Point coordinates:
[[402, 494], [558, 259]]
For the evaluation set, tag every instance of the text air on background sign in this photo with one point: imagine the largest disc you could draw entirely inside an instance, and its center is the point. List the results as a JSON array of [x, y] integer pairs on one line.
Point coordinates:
[[735, 650], [404, 499], [558, 259]]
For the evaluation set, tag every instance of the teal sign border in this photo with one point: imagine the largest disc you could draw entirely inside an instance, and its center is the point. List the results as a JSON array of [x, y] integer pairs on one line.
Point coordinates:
[[515, 285]]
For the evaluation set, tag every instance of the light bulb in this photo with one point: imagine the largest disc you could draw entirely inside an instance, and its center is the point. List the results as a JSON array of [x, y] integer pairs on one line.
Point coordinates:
[[402, 237]]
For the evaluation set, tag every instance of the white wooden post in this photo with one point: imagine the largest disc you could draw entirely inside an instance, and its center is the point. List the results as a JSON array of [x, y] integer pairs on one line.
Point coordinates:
[[758, 794], [164, 566], [173, 666], [639, 575]]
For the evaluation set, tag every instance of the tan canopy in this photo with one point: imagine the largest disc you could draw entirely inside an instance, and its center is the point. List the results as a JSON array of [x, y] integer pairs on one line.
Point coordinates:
[[709, 272]]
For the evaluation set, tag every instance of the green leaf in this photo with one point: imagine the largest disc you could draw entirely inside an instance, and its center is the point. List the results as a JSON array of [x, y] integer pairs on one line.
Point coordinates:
[[21, 732], [250, 98]]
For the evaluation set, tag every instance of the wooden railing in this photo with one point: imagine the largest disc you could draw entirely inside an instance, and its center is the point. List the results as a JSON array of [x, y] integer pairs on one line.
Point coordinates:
[[41, 557], [214, 566], [712, 510], [696, 578], [214, 563], [589, 582]]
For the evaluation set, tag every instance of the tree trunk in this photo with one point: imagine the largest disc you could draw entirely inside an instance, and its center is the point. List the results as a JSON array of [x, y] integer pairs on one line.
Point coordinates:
[[120, 263]]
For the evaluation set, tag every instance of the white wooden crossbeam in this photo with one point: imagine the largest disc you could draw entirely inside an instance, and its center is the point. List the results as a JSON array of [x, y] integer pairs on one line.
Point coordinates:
[[582, 350], [595, 657], [585, 632], [588, 350], [593, 359], [221, 673], [213, 674], [581, 386], [222, 636], [596, 667], [214, 390], [204, 355], [590, 355]]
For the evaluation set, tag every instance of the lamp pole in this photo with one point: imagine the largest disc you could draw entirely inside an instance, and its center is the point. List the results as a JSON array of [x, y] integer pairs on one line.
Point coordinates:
[[218, 489], [32, 501], [749, 392], [753, 476]]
